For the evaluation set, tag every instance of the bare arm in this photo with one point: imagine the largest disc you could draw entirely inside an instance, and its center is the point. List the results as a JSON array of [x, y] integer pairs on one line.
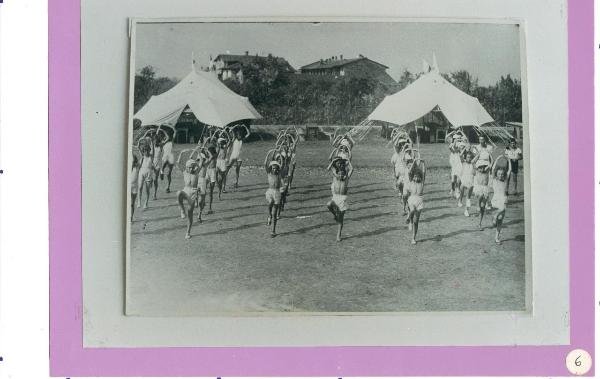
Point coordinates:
[[332, 154], [351, 170], [330, 166], [267, 160]]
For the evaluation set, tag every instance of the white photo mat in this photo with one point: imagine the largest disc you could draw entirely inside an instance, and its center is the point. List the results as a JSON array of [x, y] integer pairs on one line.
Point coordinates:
[[105, 93]]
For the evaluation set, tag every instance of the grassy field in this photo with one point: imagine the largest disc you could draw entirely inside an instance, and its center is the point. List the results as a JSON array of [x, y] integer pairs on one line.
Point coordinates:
[[231, 264]]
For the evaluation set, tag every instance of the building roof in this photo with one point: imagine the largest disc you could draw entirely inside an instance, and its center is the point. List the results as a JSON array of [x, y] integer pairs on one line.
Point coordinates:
[[247, 59], [335, 63]]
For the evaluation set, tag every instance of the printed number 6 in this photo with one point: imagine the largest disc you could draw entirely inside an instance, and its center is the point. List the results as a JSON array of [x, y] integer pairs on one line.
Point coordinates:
[[577, 361]]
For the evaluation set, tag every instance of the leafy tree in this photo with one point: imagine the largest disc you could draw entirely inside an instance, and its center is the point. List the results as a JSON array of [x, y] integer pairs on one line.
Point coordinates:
[[147, 85], [406, 78]]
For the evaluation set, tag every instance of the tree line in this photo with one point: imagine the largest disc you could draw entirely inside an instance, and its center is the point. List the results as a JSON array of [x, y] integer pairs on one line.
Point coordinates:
[[283, 98]]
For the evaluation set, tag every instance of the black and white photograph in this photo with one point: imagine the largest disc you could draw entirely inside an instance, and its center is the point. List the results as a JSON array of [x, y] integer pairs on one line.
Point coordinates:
[[326, 167]]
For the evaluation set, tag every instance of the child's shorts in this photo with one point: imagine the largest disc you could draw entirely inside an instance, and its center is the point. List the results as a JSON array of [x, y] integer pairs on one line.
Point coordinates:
[[481, 190], [211, 174], [146, 176], [341, 201], [415, 202], [168, 158], [202, 184], [273, 196], [222, 164], [466, 181], [499, 201]]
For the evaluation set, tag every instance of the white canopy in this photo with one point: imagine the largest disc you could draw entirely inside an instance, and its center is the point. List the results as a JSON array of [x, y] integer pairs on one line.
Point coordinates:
[[423, 95], [210, 100]]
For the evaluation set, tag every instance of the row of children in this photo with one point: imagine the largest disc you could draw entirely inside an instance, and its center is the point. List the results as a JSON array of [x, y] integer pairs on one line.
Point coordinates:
[[207, 164], [280, 165], [409, 178], [156, 155], [474, 171]]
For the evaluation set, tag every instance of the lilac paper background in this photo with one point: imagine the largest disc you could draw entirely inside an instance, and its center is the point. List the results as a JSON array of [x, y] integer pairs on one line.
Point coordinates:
[[68, 358]]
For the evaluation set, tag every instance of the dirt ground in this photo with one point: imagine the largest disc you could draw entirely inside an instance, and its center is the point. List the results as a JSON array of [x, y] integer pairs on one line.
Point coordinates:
[[232, 265]]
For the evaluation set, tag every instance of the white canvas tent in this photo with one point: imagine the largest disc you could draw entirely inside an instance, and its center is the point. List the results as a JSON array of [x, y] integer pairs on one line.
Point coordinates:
[[210, 100], [431, 90]]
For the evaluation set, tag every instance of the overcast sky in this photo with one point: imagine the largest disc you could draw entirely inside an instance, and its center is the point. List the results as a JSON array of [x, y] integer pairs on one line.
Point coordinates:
[[487, 51]]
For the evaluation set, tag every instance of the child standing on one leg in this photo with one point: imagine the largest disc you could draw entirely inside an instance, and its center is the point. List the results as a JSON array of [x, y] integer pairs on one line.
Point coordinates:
[[236, 149], [455, 165], [168, 161], [514, 154], [415, 199], [500, 188], [157, 161], [222, 149], [188, 195], [273, 193], [146, 174], [481, 187], [341, 170], [398, 168], [203, 159], [466, 181], [407, 160], [211, 173]]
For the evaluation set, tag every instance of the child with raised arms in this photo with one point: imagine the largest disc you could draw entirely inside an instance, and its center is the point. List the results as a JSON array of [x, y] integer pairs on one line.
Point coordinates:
[[341, 171]]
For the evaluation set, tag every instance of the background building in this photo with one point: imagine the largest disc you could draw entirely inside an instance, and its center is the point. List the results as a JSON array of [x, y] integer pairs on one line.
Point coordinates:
[[232, 66], [360, 67]]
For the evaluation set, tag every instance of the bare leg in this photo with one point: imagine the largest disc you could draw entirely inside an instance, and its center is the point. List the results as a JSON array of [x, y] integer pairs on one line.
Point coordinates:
[[133, 196], [224, 179], [461, 195], [140, 189], [340, 221], [468, 202], [220, 182], [162, 169], [409, 219], [482, 201], [499, 219], [270, 210], [404, 202], [147, 194], [282, 203], [515, 182], [333, 209], [169, 172], [292, 175], [190, 219], [181, 197], [274, 218], [415, 222], [210, 197], [238, 164], [201, 205], [155, 182]]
